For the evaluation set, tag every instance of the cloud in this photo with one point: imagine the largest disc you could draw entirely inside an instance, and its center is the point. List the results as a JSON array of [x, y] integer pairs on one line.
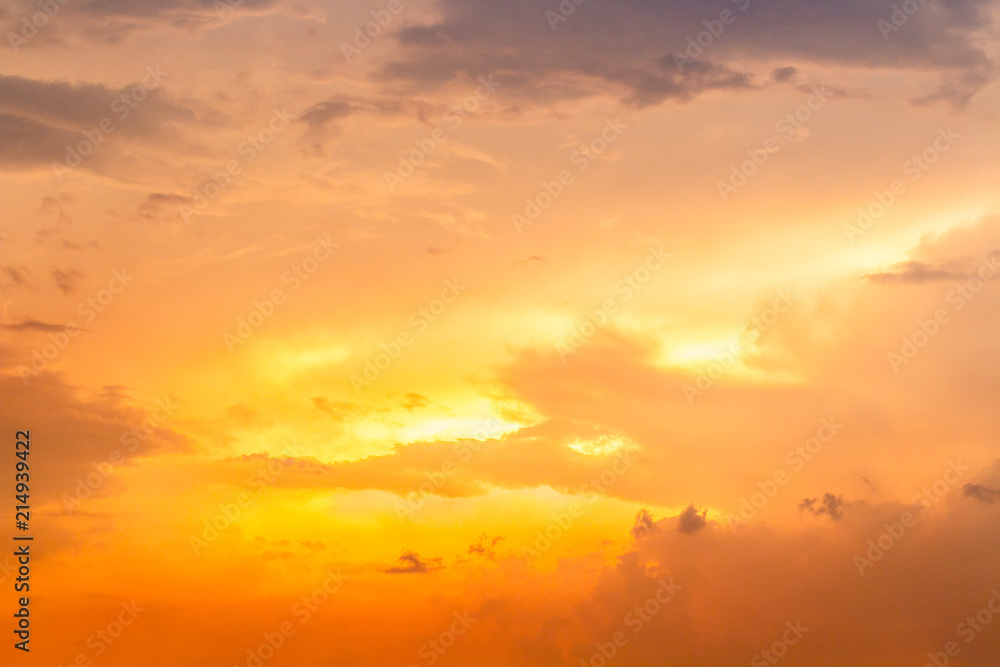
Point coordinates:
[[113, 21], [34, 325], [414, 401], [67, 281], [44, 122], [690, 521], [485, 546], [626, 48], [831, 505], [88, 425], [729, 572], [644, 525], [413, 564], [981, 492], [916, 272], [18, 277]]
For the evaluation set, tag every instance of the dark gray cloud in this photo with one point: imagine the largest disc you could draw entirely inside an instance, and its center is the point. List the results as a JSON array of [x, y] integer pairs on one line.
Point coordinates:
[[644, 525], [691, 521], [44, 122], [413, 564], [33, 325], [831, 505], [981, 492], [608, 45]]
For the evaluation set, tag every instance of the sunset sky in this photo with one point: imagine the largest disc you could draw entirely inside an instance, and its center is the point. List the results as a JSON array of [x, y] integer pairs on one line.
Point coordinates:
[[466, 333]]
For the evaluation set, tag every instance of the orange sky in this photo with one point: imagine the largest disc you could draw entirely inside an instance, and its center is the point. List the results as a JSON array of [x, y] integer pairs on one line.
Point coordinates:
[[511, 333]]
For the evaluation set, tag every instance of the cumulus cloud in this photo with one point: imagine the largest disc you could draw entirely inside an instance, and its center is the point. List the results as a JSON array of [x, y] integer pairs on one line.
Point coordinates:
[[691, 521], [644, 525]]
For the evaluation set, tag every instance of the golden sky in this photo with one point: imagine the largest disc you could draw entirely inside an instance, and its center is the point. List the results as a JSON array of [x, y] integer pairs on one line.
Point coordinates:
[[442, 332]]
